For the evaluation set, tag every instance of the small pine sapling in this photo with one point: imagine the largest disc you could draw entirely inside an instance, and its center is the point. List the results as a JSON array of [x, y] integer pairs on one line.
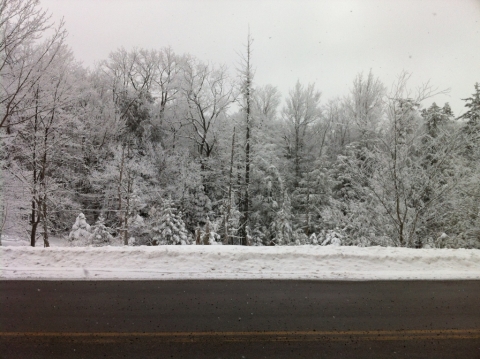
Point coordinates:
[[209, 236], [139, 233], [100, 233], [299, 237], [313, 239], [333, 238], [80, 234], [258, 236]]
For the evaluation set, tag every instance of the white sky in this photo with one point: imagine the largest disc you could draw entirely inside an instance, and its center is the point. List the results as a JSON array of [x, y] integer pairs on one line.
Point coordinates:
[[326, 42]]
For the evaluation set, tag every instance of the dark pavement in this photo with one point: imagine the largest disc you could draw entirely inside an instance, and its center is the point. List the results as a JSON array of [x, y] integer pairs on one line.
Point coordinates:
[[239, 319]]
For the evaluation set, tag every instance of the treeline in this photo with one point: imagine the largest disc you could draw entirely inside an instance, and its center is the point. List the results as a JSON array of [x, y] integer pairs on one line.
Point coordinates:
[[169, 149]]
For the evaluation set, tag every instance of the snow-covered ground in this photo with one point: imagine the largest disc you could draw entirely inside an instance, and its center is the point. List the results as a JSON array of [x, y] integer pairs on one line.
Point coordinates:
[[235, 262]]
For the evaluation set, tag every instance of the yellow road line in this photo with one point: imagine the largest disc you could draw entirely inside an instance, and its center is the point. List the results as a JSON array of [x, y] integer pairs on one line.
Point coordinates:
[[365, 335]]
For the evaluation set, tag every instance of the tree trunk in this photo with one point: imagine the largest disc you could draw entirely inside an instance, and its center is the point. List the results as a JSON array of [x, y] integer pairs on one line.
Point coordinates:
[[297, 156], [307, 232], [230, 183], [247, 94], [119, 189], [46, 243], [127, 209], [43, 184], [34, 222]]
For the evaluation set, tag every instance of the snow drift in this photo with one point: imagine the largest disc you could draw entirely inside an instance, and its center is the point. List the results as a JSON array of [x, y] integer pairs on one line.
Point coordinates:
[[235, 262]]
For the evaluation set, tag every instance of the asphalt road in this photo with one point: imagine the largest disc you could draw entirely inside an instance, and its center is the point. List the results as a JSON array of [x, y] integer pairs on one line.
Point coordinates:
[[239, 319]]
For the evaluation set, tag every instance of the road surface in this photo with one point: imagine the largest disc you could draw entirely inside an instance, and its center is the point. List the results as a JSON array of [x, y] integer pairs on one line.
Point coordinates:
[[239, 319]]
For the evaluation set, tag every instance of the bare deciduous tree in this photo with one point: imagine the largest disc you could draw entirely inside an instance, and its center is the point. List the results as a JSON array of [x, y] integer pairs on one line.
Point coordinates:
[[208, 94], [300, 113], [365, 103], [398, 171], [42, 135], [22, 63]]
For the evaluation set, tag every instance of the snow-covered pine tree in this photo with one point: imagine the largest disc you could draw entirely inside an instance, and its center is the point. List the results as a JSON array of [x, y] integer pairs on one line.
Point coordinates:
[[209, 236], [299, 237], [471, 127], [258, 236], [100, 233], [80, 234], [436, 119], [473, 114], [313, 239], [195, 204], [138, 231], [312, 193], [166, 226], [267, 198], [333, 238]]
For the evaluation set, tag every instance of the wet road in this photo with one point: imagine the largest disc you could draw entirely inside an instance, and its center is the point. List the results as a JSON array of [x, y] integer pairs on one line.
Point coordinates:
[[239, 319]]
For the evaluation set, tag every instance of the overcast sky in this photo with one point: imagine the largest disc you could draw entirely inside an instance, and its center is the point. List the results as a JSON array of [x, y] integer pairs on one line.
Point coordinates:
[[326, 42]]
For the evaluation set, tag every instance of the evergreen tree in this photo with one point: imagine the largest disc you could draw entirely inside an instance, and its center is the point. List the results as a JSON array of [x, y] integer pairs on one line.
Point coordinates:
[[166, 226], [208, 235], [258, 236], [267, 200], [100, 233], [310, 196], [473, 113], [471, 128], [436, 118], [80, 234], [138, 231]]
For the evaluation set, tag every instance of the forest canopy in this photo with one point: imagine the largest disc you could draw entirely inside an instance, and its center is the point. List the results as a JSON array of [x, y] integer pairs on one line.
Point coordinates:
[[158, 147]]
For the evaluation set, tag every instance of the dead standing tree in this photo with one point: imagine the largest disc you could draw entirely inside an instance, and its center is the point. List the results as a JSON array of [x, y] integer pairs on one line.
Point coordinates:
[[246, 90]]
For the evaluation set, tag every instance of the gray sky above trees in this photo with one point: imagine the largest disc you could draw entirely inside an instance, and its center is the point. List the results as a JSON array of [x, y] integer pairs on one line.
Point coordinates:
[[326, 42]]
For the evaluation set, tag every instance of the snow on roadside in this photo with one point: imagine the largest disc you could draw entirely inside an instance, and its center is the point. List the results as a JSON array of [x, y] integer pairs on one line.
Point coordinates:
[[236, 262], [13, 241]]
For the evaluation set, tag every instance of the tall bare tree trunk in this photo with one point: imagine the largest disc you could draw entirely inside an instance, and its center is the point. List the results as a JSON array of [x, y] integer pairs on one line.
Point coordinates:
[[3, 220], [34, 221], [230, 183], [247, 93], [297, 156], [43, 208], [46, 242], [119, 190], [127, 210]]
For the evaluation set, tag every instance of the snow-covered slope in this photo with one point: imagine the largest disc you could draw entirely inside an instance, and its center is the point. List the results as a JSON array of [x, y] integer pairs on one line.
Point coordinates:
[[234, 262]]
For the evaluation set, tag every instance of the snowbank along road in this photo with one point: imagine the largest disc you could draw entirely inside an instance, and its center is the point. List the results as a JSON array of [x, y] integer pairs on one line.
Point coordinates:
[[236, 262]]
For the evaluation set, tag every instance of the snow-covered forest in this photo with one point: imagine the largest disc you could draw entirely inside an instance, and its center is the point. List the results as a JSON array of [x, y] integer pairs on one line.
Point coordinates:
[[158, 147]]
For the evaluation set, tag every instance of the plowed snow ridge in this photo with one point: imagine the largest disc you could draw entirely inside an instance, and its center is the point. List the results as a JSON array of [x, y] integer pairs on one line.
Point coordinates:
[[236, 262]]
